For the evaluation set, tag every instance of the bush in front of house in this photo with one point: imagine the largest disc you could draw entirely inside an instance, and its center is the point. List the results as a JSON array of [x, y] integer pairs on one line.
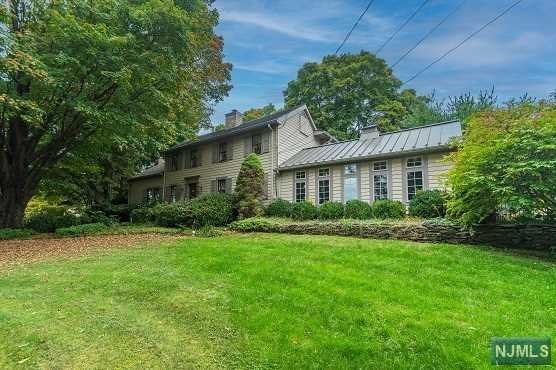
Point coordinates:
[[304, 211], [48, 219], [358, 209], [428, 204], [82, 230], [9, 234], [173, 214], [212, 209], [279, 208], [249, 188], [142, 215], [331, 211], [386, 208], [253, 224]]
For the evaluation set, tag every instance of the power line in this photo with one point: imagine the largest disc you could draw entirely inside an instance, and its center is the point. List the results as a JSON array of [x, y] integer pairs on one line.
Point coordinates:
[[429, 33], [401, 27], [354, 26], [473, 34]]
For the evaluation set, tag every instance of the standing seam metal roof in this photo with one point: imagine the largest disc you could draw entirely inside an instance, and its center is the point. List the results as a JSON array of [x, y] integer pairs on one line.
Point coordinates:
[[431, 137]]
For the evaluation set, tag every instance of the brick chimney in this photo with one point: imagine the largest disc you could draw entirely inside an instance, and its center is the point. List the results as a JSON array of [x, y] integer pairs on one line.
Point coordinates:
[[233, 119], [370, 132]]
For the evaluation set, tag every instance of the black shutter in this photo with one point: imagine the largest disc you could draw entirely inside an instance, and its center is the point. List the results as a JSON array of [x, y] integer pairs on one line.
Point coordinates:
[[215, 153], [266, 142], [230, 150], [213, 185], [228, 185], [187, 159], [247, 145]]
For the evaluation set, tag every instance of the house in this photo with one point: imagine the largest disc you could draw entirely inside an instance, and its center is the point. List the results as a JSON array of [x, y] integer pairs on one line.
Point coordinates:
[[301, 162]]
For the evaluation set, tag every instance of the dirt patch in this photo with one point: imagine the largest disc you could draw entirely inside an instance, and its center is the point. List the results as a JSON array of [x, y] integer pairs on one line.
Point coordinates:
[[15, 252]]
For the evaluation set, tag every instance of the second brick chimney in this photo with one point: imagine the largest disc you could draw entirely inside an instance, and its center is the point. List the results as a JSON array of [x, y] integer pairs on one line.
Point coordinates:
[[370, 132]]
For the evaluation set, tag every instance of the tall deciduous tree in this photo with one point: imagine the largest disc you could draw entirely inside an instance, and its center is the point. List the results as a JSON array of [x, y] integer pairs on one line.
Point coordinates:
[[255, 113], [347, 92], [137, 71]]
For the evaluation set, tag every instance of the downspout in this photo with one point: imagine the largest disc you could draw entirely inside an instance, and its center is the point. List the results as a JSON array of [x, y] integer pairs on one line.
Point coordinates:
[[164, 183]]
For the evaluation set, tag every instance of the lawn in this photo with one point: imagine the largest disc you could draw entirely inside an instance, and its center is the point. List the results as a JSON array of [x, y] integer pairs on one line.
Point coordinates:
[[273, 301]]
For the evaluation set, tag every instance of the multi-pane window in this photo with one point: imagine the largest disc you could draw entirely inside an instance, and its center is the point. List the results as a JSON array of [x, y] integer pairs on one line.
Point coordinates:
[[350, 182], [192, 190], [324, 185], [173, 162], [414, 172], [300, 186], [194, 157], [380, 180], [221, 186], [152, 195], [222, 152], [173, 194], [257, 144]]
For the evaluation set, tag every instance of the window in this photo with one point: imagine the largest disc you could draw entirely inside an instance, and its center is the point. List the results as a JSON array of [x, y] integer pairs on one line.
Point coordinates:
[[350, 182], [380, 183], [194, 158], [380, 180], [300, 186], [414, 176], [221, 186], [152, 195], [380, 166], [173, 194], [222, 152], [173, 162], [257, 144], [192, 190], [324, 185]]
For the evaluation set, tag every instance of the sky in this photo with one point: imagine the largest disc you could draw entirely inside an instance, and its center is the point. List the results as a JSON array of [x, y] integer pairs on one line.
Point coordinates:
[[269, 41]]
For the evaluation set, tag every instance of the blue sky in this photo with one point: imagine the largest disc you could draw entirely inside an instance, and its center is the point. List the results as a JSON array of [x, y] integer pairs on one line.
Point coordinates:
[[268, 41]]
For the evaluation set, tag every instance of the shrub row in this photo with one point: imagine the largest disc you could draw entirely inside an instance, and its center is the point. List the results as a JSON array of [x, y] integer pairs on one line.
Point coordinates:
[[48, 219], [208, 210], [355, 209], [82, 230], [8, 234]]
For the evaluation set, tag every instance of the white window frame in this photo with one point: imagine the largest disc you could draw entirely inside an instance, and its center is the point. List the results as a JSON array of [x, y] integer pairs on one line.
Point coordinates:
[[301, 180], [346, 175], [382, 170], [323, 177], [414, 165]]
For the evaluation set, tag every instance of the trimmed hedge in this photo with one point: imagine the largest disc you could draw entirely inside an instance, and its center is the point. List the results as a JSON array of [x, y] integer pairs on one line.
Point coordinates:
[[9, 234], [304, 211], [142, 215], [386, 208], [428, 204], [82, 230], [212, 209], [51, 218], [279, 208], [358, 209], [173, 214], [331, 211]]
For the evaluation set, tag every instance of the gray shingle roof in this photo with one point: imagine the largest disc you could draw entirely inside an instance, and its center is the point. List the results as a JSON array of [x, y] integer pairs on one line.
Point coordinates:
[[155, 170], [246, 126], [420, 139]]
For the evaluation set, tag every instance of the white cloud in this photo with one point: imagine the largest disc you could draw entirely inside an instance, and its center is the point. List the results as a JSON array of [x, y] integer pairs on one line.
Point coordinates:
[[265, 66]]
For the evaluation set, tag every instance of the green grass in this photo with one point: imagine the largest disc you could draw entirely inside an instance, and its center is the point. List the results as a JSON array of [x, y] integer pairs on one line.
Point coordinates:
[[274, 301]]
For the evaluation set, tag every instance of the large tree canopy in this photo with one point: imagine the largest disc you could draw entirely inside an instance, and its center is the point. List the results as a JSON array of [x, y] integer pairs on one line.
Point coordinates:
[[347, 92], [255, 113], [133, 71]]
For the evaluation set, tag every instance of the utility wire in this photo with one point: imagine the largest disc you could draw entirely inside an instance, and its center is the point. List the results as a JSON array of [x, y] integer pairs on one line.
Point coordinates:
[[473, 34], [429, 33], [401, 27], [354, 26]]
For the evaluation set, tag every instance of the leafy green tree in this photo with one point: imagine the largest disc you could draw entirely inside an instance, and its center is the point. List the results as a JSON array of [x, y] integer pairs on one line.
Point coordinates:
[[131, 71], [347, 92], [250, 187], [506, 163], [426, 110], [255, 113]]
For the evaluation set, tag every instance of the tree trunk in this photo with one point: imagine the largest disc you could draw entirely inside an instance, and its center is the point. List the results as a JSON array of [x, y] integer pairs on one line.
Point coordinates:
[[13, 202]]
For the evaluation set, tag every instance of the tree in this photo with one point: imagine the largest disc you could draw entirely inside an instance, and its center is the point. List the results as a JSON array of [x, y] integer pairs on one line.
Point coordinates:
[[249, 187], [347, 92], [134, 72], [506, 163], [426, 110], [255, 113]]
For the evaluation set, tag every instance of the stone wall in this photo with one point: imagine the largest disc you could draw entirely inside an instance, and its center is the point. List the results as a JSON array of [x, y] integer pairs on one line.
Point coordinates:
[[531, 237]]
